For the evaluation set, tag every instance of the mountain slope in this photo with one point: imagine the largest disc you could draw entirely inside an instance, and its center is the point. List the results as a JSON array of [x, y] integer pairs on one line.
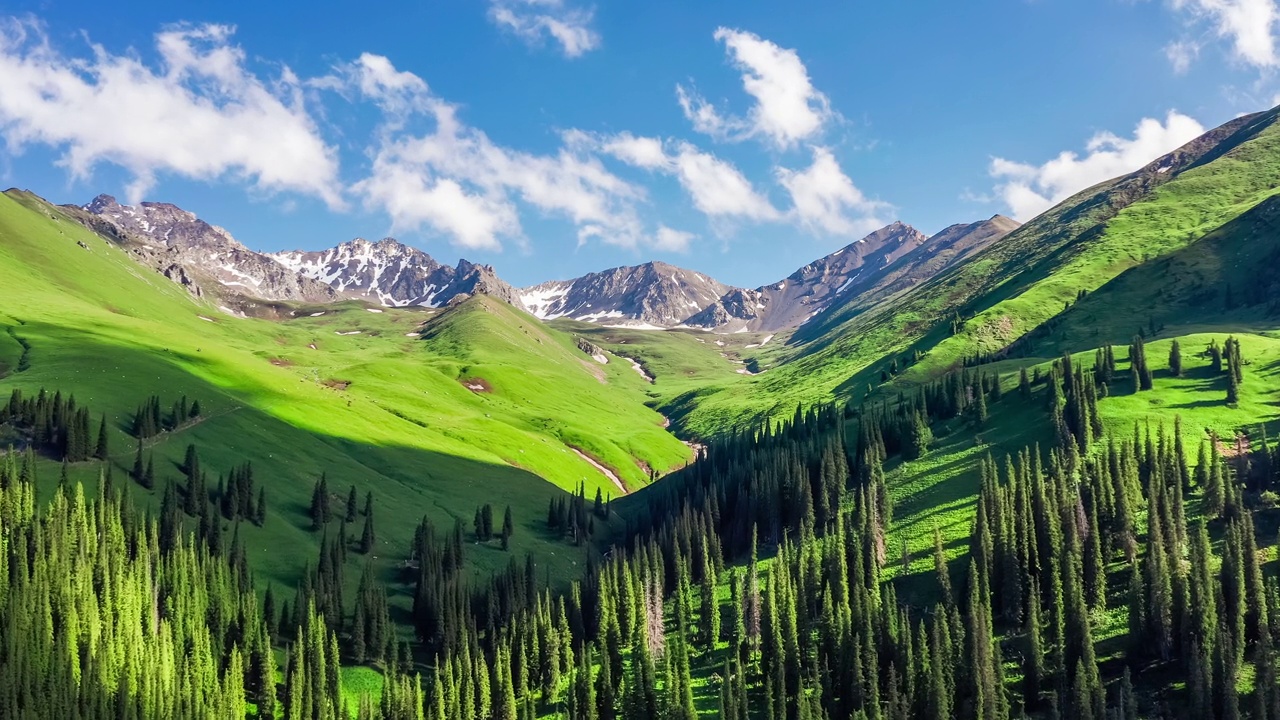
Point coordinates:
[[393, 274], [949, 247], [1225, 279], [196, 254], [654, 294], [355, 394], [807, 291], [1024, 279]]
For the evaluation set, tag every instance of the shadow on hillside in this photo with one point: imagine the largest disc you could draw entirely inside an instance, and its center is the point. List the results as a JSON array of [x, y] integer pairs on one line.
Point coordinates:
[[408, 484]]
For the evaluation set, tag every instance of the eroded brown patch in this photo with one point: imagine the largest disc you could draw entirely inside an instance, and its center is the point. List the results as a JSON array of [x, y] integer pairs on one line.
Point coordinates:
[[337, 384], [280, 362], [476, 385]]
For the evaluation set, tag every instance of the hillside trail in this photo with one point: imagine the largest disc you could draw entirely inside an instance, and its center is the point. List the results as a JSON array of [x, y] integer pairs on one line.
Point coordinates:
[[164, 436], [603, 470]]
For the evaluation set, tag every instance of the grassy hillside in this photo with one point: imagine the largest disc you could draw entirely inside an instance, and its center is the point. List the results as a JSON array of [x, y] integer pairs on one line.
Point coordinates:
[[1024, 280], [685, 365], [374, 399]]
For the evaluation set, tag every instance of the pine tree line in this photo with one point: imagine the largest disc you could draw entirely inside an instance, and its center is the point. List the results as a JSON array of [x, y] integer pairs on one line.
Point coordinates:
[[56, 425]]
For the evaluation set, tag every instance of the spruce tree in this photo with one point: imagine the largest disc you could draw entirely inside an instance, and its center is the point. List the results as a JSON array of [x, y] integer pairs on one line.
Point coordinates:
[[508, 528], [138, 467], [320, 503], [367, 536], [102, 450]]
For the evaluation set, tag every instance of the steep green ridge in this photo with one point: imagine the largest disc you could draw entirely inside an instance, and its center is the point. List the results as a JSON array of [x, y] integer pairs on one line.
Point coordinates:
[[1023, 280], [1225, 279], [111, 332]]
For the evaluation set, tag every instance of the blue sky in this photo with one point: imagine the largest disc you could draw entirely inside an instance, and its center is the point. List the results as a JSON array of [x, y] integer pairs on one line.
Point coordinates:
[[555, 137]]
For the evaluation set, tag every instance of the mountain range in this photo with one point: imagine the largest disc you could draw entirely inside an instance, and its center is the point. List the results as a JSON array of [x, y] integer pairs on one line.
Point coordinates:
[[1148, 300], [205, 258]]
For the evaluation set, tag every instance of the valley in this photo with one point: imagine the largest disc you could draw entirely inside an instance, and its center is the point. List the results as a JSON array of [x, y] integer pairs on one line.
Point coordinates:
[[1003, 470]]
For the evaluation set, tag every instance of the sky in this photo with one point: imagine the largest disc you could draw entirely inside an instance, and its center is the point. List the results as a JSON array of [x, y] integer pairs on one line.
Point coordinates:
[[551, 138]]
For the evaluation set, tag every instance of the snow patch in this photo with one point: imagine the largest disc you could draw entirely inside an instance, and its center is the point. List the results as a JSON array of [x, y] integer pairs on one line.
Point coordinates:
[[373, 310], [206, 319], [542, 300], [317, 314], [636, 326], [349, 332], [638, 368], [600, 358]]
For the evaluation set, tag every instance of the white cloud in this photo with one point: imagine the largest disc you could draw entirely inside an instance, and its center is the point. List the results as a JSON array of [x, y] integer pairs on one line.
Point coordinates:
[[1249, 25], [1029, 190], [669, 240], [534, 20], [200, 114], [717, 188], [714, 185], [825, 199], [643, 152], [457, 181], [787, 107], [1181, 54]]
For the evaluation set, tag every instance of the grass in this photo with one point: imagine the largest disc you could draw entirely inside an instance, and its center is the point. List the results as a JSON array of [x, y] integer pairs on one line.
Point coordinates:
[[1011, 288], [437, 412], [940, 489], [384, 410], [686, 365]]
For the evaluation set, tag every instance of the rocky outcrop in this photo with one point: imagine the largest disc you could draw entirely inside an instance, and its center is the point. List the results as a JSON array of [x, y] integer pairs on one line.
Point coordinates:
[[198, 255]]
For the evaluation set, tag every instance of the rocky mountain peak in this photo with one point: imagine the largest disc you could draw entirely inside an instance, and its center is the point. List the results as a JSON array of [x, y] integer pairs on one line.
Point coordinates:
[[179, 244], [653, 294]]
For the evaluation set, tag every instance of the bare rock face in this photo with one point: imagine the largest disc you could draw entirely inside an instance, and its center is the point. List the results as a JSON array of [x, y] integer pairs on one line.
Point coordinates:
[[391, 273], [657, 295], [889, 260], [654, 294], [790, 302], [199, 255], [207, 260]]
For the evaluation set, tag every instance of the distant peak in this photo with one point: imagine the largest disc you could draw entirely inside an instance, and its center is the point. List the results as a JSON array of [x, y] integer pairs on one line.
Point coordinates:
[[101, 201]]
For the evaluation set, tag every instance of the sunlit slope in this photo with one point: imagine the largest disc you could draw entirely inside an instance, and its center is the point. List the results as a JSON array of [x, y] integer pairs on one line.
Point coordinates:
[[1024, 280], [383, 409]]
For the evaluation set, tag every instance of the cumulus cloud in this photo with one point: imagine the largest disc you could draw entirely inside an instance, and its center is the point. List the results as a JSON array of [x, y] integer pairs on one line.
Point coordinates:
[[535, 20], [456, 180], [717, 188], [826, 200], [714, 185], [1248, 25], [1029, 190], [398, 93], [787, 108], [643, 152], [199, 114]]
